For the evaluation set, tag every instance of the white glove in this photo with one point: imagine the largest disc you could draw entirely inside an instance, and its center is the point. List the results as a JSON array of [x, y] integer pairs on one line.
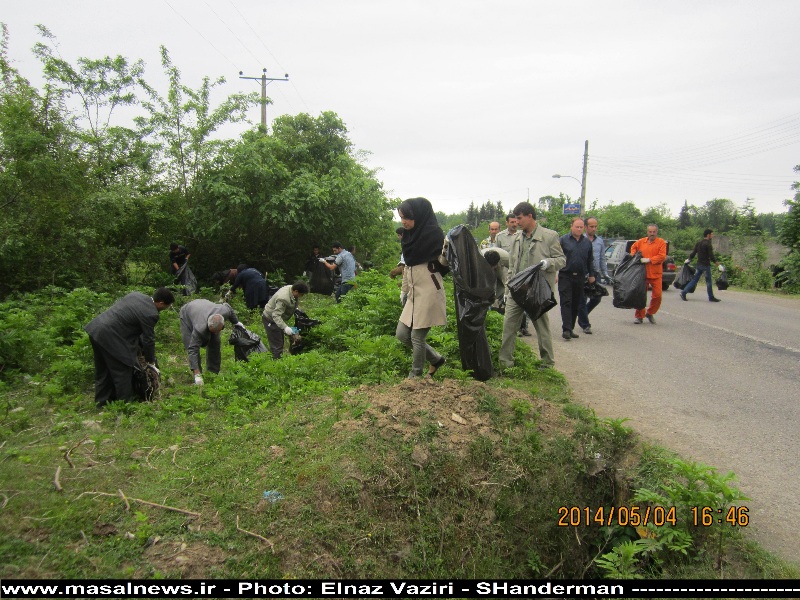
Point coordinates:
[[403, 298], [288, 330], [722, 267], [686, 262], [228, 295], [322, 260], [645, 260], [154, 368], [198, 379], [544, 264], [240, 324]]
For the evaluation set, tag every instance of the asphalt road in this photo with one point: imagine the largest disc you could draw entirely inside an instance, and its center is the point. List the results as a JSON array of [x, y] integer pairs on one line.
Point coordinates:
[[718, 383]]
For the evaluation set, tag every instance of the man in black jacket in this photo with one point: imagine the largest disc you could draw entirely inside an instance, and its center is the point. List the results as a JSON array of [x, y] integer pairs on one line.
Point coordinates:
[[117, 334], [580, 264], [705, 256]]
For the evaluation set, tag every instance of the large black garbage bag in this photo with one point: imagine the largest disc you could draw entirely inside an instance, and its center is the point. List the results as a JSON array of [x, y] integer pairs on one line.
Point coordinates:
[[722, 281], [321, 280], [474, 282], [594, 290], [630, 283], [530, 290], [186, 278], [245, 342], [684, 277]]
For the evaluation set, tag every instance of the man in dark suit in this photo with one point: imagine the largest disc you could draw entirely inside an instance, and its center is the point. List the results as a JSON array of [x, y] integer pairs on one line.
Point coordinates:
[[116, 334]]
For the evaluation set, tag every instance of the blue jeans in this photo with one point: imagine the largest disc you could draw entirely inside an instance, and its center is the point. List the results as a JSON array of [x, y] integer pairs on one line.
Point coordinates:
[[342, 290], [689, 288], [584, 310]]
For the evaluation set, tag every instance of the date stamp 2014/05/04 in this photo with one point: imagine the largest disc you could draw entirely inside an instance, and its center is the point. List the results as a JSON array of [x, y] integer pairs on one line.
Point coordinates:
[[640, 516]]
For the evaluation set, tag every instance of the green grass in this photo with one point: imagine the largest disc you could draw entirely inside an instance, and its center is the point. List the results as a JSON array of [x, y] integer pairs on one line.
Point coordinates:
[[373, 475]]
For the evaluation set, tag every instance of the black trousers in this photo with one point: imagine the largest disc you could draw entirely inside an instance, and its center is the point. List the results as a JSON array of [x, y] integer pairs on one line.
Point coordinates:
[[113, 380], [570, 293]]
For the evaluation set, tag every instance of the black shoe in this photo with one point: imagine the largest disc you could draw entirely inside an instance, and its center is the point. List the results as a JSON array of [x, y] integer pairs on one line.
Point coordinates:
[[573, 335], [714, 300], [683, 296], [587, 330], [524, 332], [566, 335], [651, 318]]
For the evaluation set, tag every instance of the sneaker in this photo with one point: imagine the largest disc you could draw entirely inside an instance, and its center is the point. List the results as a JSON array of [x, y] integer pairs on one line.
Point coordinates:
[[524, 333], [651, 318], [566, 335], [714, 300], [683, 296], [573, 335], [587, 330], [637, 321]]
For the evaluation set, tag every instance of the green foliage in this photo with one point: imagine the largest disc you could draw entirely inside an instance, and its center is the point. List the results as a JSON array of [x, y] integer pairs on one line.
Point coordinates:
[[789, 236], [302, 177]]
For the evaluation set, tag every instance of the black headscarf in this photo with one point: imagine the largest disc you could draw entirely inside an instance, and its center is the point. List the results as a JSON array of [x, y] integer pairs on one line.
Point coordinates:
[[423, 243]]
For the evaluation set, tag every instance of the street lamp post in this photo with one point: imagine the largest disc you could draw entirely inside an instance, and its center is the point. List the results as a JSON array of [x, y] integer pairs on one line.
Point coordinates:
[[582, 182]]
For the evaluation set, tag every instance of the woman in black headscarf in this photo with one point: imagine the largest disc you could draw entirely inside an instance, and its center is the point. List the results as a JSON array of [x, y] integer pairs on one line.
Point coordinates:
[[422, 293]]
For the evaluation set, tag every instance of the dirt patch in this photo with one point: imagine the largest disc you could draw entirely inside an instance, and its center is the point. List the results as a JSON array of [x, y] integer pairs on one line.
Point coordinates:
[[460, 411]]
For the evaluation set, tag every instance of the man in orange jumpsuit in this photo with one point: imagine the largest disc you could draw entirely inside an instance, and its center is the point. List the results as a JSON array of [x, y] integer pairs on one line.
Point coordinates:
[[654, 251]]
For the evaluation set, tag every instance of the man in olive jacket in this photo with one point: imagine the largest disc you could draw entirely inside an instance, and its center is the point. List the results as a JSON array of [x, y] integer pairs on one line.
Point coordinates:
[[117, 334], [532, 244], [278, 310]]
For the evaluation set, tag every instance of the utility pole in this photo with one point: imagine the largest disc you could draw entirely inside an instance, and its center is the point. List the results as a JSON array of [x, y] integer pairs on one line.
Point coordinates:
[[583, 181], [264, 79]]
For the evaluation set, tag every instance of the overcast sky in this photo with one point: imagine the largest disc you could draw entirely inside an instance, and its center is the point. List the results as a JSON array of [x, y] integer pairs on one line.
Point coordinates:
[[463, 101]]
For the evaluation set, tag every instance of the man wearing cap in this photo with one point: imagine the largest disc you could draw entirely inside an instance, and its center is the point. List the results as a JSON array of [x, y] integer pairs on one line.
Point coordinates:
[[201, 324]]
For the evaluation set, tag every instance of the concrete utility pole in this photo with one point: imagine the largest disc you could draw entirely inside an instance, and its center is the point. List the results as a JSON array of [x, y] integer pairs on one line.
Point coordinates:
[[583, 181], [264, 79]]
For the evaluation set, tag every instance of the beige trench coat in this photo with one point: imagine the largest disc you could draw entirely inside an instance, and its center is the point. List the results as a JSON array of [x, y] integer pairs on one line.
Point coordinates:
[[425, 306]]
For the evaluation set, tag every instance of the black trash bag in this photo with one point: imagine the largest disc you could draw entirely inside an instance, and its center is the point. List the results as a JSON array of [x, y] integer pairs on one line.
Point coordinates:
[[530, 290], [303, 323], [722, 281], [594, 290], [474, 282], [630, 283], [245, 343], [321, 280], [684, 277], [186, 278]]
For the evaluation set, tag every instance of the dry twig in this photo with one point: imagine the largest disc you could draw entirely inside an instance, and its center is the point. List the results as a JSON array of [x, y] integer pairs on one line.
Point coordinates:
[[69, 451], [140, 501], [124, 499], [56, 481], [255, 535]]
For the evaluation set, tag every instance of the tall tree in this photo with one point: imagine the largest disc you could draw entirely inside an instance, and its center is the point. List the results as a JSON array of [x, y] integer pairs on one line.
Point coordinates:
[[270, 197]]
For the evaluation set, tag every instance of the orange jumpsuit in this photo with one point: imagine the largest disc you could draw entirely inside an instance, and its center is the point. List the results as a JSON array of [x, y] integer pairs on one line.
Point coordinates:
[[656, 251]]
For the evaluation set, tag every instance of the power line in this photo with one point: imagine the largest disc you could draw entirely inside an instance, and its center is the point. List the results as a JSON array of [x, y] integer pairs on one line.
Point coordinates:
[[222, 54]]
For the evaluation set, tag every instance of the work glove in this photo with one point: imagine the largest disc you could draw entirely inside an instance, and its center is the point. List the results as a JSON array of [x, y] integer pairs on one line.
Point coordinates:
[[645, 260], [240, 324], [322, 260], [686, 262], [722, 268], [544, 264], [154, 368], [198, 379], [288, 330], [295, 331], [403, 298]]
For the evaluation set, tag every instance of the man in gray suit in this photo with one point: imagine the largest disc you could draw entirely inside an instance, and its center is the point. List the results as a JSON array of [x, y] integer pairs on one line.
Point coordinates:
[[117, 334], [201, 324]]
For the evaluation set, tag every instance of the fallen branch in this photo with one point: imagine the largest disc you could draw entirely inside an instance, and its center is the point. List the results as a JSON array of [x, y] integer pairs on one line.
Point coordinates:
[[124, 499], [255, 535], [140, 501], [56, 481], [69, 451], [147, 458]]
